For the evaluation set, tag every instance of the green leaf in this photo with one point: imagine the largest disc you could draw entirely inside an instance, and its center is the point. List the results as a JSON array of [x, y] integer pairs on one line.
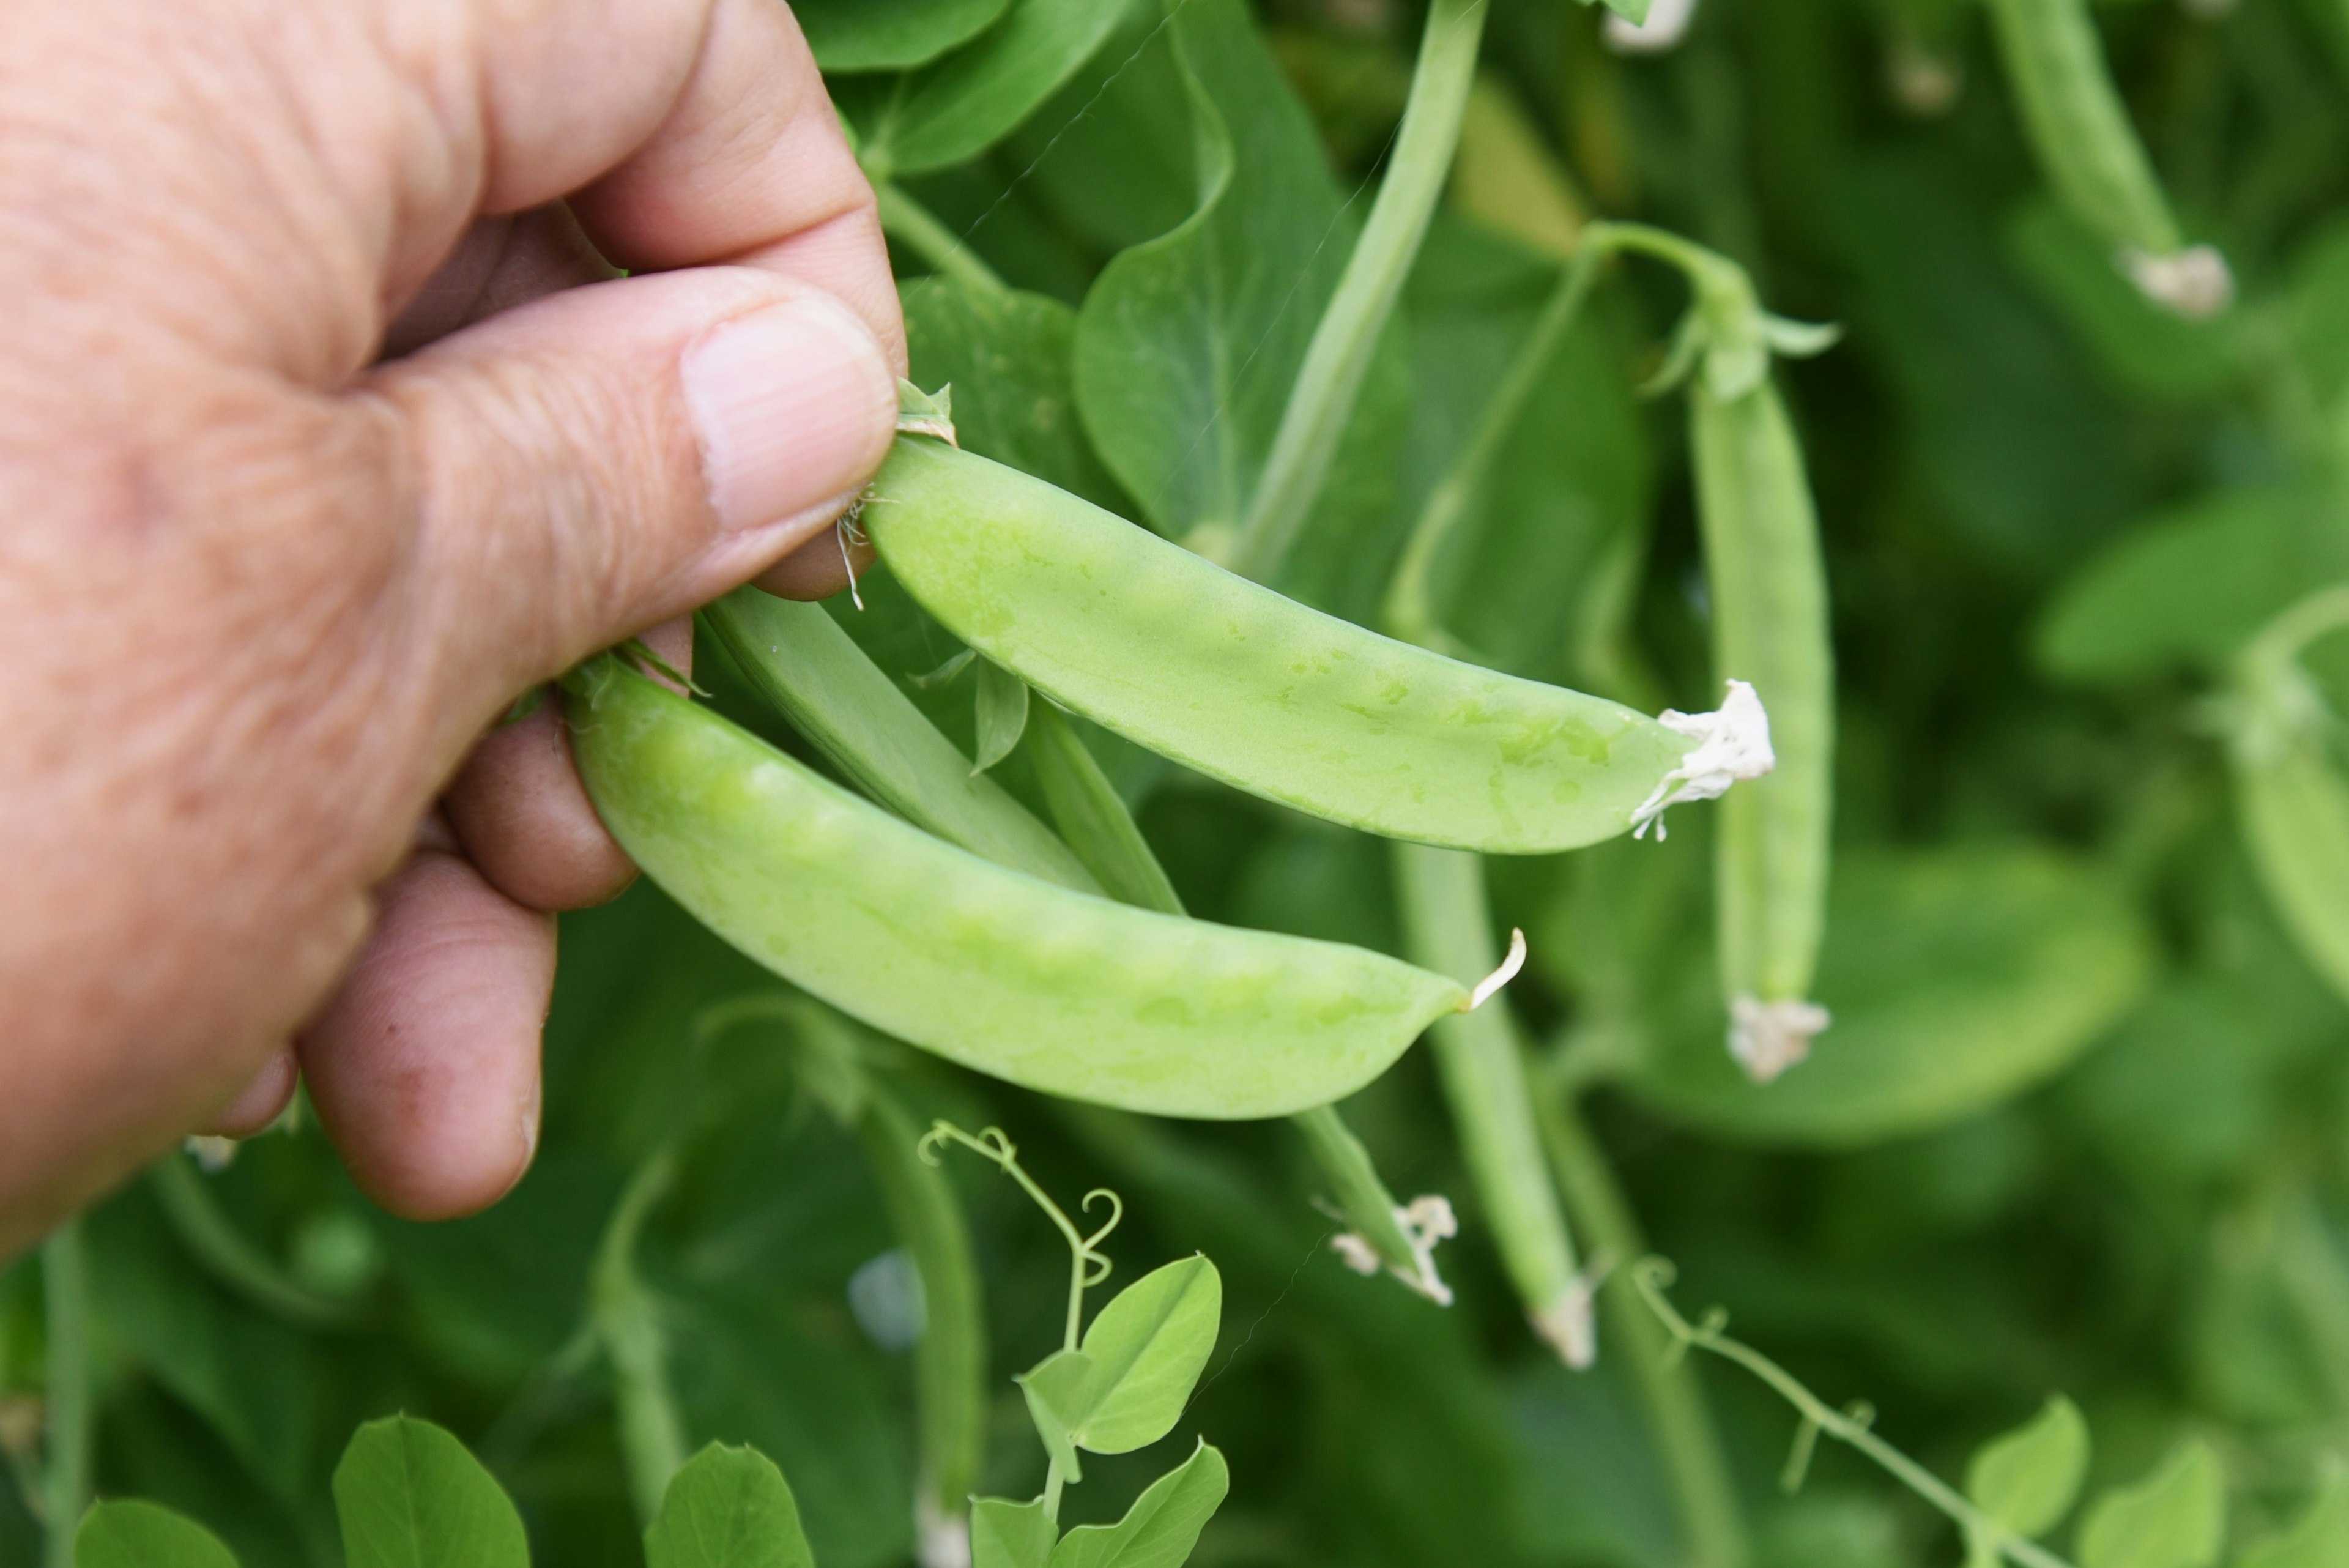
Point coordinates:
[[1162, 1525], [1002, 714], [1147, 1348], [956, 109], [1956, 979], [890, 35], [729, 1507], [410, 1496], [2029, 1479], [1057, 1391], [1005, 1534], [2320, 1539], [1012, 360], [2175, 1517], [142, 1535], [2188, 587], [1187, 346]]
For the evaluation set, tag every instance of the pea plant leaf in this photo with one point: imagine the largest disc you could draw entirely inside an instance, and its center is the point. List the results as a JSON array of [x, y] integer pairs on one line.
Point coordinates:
[[2318, 1539], [890, 35], [2029, 1479], [953, 110], [143, 1535], [1146, 1349], [1055, 1389], [1955, 977], [2174, 1518], [1002, 714], [729, 1507], [1012, 358], [1005, 1534], [1162, 1525], [2187, 587], [410, 1496], [1187, 344]]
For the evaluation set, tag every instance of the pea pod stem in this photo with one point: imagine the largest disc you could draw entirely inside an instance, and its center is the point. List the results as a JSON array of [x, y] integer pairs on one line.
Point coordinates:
[[1705, 1497], [1094, 818], [71, 1431], [1410, 611], [919, 230], [1479, 1060], [626, 1319], [201, 1226], [1653, 1276], [1330, 381]]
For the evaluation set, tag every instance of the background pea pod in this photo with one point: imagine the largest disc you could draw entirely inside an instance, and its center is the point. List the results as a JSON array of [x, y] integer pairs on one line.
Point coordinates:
[[992, 969], [1768, 595], [1180, 656], [2092, 155]]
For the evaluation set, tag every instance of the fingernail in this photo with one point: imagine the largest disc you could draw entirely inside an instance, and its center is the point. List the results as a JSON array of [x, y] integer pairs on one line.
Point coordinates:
[[794, 406]]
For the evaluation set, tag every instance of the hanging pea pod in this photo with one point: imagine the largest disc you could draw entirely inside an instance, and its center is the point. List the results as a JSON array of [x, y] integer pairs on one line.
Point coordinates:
[[993, 969], [2092, 156], [1767, 591], [1200, 665], [2290, 793]]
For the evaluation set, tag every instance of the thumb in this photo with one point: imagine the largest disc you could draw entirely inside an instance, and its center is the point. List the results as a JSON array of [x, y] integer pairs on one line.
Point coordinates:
[[611, 456]]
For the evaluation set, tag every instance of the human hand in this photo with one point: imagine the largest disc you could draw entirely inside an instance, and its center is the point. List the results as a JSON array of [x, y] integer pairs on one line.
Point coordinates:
[[261, 596]]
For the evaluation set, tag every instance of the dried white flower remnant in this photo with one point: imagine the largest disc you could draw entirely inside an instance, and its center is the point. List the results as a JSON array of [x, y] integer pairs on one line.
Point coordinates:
[[1768, 1037], [1733, 745], [1667, 24], [1424, 1221], [2195, 282]]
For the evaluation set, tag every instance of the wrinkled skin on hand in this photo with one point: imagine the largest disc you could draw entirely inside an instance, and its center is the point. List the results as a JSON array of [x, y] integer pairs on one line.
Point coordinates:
[[326, 427]]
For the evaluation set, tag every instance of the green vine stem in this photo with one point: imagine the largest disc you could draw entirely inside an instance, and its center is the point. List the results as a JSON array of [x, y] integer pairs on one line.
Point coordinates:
[[1409, 611], [626, 1319], [72, 1433], [202, 1227], [1653, 1276], [1339, 359], [918, 229], [1713, 1526]]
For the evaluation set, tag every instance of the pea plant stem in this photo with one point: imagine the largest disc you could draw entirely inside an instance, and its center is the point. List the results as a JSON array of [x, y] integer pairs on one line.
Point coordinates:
[[70, 1438], [1410, 611], [1712, 1525], [1322, 401], [919, 230], [222, 1250], [1362, 1196], [1652, 1275], [627, 1321]]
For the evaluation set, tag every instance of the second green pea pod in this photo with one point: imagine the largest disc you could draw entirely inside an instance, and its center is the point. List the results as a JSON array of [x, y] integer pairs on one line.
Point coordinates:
[[1004, 973], [1256, 689]]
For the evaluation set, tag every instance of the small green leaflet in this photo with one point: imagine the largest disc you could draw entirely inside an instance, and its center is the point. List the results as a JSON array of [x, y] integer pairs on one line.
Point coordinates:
[[141, 1535], [1147, 1348], [890, 35], [956, 108], [409, 1496], [1005, 1534], [2175, 1517], [1057, 1390], [1002, 714], [2320, 1539], [1162, 1525], [729, 1507], [2029, 1479]]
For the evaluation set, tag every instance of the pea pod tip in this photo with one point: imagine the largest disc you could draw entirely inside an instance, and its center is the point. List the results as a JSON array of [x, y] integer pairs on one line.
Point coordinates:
[[1768, 1037], [1733, 745]]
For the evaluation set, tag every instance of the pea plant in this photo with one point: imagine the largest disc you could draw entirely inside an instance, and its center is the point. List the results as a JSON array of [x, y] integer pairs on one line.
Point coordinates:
[[1770, 579]]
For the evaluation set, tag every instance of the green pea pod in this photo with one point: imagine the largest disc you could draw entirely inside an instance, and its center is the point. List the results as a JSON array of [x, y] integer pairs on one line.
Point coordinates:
[[1769, 604], [1198, 664], [2289, 796], [2092, 155], [994, 970]]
